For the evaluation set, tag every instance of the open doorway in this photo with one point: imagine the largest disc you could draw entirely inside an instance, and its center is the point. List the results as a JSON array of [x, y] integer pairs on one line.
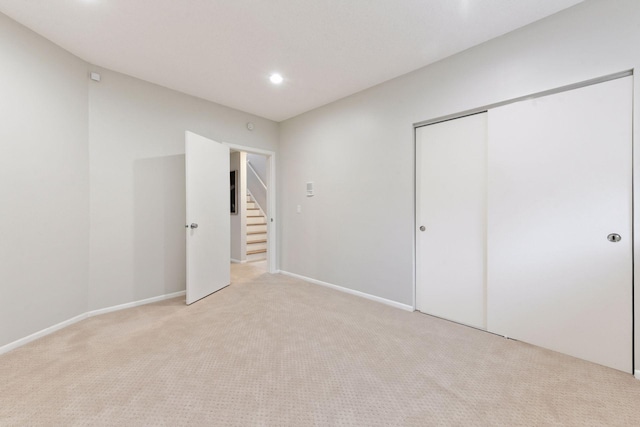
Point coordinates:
[[208, 225], [252, 182]]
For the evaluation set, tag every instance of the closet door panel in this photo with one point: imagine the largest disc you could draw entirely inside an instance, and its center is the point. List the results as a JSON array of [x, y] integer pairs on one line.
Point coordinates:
[[559, 182], [451, 205]]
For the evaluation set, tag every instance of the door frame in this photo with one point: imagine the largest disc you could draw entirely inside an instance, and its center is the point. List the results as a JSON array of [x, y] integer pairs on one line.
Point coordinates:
[[272, 255]]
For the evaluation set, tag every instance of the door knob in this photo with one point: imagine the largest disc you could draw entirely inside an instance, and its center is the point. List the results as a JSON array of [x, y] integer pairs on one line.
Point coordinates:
[[422, 228], [614, 237], [194, 225]]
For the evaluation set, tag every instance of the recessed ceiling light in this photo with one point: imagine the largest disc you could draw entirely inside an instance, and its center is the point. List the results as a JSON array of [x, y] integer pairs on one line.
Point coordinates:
[[276, 78]]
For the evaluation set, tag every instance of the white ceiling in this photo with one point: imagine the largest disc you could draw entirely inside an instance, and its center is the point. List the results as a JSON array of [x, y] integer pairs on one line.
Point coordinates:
[[225, 50]]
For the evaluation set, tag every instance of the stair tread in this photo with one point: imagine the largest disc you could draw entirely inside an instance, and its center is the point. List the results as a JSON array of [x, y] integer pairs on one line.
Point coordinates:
[[256, 232], [262, 223], [257, 241], [257, 251]]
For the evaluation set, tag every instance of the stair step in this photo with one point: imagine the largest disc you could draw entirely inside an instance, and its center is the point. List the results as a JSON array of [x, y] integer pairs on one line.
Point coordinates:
[[256, 232], [257, 251], [257, 241]]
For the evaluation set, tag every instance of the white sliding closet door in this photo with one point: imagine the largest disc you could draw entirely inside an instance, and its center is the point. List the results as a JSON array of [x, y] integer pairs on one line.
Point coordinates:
[[451, 205], [559, 183]]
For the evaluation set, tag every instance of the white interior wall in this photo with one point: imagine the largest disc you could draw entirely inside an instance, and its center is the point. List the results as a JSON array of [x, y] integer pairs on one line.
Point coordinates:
[[358, 231], [44, 183], [136, 139], [238, 161]]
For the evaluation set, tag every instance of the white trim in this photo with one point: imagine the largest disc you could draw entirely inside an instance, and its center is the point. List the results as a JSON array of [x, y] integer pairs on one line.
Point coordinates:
[[135, 303], [637, 375], [553, 91], [51, 329], [395, 304], [416, 208], [271, 214], [248, 149], [236, 261]]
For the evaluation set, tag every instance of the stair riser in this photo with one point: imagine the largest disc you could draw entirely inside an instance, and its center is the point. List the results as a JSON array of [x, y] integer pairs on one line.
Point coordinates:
[[257, 257], [253, 237], [260, 228], [251, 205], [256, 246], [255, 220]]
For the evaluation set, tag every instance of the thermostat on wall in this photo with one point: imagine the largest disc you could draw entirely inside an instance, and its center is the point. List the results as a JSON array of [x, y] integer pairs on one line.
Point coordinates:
[[309, 189], [95, 77]]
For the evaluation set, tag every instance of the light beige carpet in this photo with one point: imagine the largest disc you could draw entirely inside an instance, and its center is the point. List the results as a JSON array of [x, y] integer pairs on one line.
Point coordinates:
[[271, 350]]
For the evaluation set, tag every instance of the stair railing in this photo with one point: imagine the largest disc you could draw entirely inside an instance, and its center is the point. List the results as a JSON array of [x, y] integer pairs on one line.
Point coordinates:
[[257, 188]]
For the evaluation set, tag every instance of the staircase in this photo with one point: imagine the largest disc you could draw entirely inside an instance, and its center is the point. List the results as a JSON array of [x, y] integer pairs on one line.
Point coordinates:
[[256, 232]]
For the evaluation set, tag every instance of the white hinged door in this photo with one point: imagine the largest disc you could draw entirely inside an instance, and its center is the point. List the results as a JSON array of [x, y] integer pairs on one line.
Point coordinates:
[[208, 221]]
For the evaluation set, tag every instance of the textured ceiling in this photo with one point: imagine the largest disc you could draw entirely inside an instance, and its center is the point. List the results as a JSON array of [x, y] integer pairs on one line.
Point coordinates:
[[225, 50]]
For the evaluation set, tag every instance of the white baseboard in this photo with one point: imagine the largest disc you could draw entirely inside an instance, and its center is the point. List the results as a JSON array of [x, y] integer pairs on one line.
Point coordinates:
[[350, 291], [236, 261], [51, 329], [637, 375], [135, 303]]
